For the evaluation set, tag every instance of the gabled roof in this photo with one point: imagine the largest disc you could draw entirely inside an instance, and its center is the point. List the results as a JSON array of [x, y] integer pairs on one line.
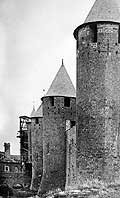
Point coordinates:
[[104, 10], [62, 84]]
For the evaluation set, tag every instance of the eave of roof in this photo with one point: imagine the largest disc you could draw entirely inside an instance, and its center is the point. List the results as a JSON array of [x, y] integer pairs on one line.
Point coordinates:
[[107, 11]]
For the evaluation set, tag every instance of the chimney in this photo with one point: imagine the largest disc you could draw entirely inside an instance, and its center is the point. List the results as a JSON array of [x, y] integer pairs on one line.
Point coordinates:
[[7, 149]]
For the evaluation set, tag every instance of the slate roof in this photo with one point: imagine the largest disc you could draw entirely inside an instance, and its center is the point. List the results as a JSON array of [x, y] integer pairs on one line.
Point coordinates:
[[33, 112], [37, 113], [62, 84], [104, 10], [15, 157], [11, 158]]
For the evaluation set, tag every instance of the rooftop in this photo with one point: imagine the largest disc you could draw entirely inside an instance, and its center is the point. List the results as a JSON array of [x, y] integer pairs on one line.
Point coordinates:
[[33, 112], [62, 84], [37, 113], [104, 10]]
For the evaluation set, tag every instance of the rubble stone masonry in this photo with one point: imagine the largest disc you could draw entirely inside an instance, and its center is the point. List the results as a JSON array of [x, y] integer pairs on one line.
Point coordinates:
[[71, 171], [37, 152], [98, 103], [54, 142]]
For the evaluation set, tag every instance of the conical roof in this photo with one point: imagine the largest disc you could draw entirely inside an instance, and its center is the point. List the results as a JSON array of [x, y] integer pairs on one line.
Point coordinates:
[[62, 84], [38, 113], [104, 10], [33, 112]]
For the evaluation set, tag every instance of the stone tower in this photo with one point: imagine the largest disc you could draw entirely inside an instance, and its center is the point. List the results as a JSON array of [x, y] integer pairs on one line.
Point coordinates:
[[98, 95], [59, 105], [36, 146]]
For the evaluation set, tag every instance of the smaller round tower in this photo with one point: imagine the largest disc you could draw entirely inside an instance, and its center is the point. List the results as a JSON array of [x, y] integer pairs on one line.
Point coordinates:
[[36, 146], [58, 107]]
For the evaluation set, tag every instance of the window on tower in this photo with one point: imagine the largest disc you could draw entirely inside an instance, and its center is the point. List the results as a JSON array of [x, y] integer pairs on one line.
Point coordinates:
[[7, 168], [72, 124], [52, 101], [93, 28], [37, 120], [119, 34], [66, 102], [77, 44]]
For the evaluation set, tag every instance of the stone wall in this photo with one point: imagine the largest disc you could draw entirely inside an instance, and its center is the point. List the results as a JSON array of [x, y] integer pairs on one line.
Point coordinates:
[[54, 142], [98, 104], [37, 152], [71, 159]]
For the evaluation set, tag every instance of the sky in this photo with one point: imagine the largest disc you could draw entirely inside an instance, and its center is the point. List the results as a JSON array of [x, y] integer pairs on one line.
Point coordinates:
[[34, 37]]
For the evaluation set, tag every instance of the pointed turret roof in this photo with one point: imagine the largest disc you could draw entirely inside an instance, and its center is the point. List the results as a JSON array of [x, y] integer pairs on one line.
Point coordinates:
[[104, 10], [33, 112], [38, 113], [62, 84]]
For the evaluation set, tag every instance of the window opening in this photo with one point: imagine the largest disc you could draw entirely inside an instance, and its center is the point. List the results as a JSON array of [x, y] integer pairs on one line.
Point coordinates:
[[7, 168], [37, 121], [119, 34], [77, 44], [52, 101], [72, 124], [67, 102], [94, 32]]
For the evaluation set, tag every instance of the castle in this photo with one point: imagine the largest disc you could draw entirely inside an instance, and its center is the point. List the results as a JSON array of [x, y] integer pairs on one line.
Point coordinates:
[[73, 138]]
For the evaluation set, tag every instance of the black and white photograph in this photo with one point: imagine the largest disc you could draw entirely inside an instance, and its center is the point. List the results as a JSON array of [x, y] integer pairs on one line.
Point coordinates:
[[59, 99]]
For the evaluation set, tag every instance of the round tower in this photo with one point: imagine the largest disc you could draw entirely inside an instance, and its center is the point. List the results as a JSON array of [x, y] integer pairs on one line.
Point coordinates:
[[98, 94], [58, 106], [36, 147]]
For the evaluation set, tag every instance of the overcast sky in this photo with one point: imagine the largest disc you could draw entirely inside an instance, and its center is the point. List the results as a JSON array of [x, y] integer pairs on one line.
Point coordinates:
[[34, 36]]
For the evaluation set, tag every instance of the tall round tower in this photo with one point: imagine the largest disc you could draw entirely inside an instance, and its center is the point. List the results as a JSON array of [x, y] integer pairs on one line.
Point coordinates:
[[98, 94], [58, 106], [36, 147]]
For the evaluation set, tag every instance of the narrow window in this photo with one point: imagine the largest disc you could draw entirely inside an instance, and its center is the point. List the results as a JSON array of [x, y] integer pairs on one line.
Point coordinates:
[[7, 169], [72, 124], [52, 101], [37, 121], [67, 102], [94, 32], [47, 149], [119, 34], [77, 44]]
